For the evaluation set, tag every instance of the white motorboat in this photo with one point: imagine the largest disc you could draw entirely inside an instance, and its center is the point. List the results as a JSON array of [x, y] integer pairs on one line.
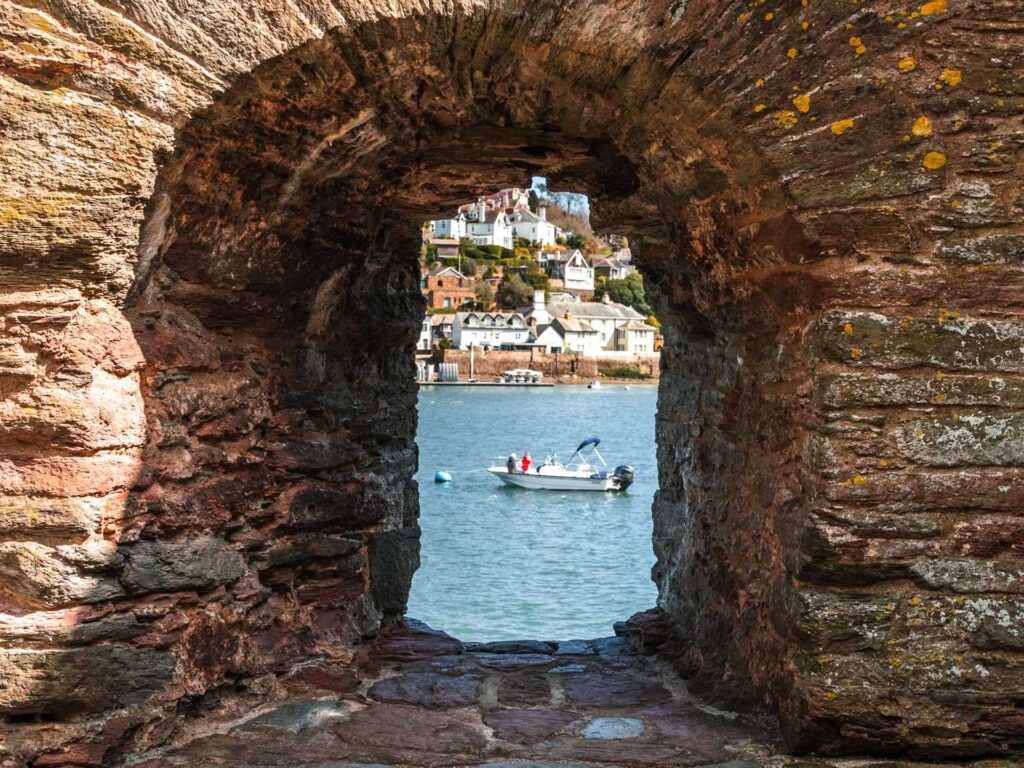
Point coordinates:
[[595, 384], [523, 376], [578, 474]]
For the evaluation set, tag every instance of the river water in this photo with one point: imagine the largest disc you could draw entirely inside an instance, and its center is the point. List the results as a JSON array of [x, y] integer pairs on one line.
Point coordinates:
[[501, 563]]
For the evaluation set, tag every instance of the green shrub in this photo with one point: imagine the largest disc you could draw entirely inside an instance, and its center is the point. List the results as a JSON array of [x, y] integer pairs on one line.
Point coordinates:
[[624, 372]]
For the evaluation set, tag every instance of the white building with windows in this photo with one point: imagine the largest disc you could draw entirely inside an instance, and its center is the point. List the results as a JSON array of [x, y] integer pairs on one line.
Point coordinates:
[[635, 336], [497, 220], [489, 330], [535, 227], [423, 345], [578, 336]]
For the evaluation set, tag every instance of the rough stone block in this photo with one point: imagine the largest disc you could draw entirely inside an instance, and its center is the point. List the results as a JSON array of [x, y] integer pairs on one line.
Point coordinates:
[[172, 565], [946, 341], [80, 680], [37, 576]]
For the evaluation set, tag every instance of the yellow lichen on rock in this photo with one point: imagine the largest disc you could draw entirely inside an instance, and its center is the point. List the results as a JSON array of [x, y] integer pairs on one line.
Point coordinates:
[[951, 77], [907, 64], [842, 126], [933, 7], [802, 102], [934, 160], [785, 118], [922, 127], [792, 53]]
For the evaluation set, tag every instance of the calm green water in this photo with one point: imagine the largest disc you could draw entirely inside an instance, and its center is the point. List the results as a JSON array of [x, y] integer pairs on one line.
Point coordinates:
[[504, 563]]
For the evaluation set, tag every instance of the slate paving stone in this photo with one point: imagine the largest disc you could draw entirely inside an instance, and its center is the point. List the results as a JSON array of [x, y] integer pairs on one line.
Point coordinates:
[[410, 640], [612, 646], [390, 730], [613, 728], [508, 661], [614, 689], [527, 726], [428, 689], [513, 646], [575, 648], [524, 690]]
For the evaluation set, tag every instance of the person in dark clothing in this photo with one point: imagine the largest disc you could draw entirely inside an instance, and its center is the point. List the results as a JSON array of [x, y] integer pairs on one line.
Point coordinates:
[[510, 465]]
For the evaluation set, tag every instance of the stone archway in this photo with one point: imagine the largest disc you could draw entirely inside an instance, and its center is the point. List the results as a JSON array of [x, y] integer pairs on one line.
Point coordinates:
[[224, 494]]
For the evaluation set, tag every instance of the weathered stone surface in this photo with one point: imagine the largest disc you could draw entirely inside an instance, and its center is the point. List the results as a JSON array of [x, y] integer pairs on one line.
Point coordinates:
[[201, 210], [407, 731], [36, 576], [529, 690], [428, 689], [527, 726], [410, 640], [608, 689], [83, 680], [168, 566]]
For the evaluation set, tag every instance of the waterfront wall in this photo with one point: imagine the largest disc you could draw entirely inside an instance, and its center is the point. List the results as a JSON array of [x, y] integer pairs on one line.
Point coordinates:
[[566, 368]]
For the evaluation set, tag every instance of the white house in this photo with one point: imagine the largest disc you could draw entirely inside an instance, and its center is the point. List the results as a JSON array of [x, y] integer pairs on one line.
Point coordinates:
[[548, 338], [489, 330], [635, 336], [603, 316], [577, 274], [568, 266], [423, 344], [441, 326], [577, 334], [454, 228], [535, 227]]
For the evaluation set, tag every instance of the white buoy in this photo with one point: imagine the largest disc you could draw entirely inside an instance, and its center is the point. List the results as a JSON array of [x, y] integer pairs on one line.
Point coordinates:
[[442, 477]]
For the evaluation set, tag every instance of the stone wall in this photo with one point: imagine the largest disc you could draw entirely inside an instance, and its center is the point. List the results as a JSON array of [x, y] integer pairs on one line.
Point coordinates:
[[209, 304], [566, 368]]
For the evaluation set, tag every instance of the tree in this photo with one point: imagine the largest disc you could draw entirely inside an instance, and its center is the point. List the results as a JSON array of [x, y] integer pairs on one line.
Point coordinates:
[[576, 241], [489, 273], [629, 292], [469, 267], [514, 292], [484, 295], [536, 277]]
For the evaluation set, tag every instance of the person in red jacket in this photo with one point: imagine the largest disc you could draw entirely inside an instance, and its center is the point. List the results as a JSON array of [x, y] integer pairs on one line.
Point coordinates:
[[526, 462]]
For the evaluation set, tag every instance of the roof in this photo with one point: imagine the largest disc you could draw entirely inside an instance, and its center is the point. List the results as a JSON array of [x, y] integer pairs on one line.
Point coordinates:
[[573, 325], [441, 318], [595, 309], [507, 315], [440, 269], [637, 325]]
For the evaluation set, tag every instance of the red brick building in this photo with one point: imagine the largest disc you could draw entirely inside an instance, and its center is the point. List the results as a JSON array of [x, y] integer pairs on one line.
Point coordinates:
[[447, 288]]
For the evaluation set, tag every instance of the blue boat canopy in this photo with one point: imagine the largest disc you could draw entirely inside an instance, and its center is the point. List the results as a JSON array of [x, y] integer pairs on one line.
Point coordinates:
[[588, 441]]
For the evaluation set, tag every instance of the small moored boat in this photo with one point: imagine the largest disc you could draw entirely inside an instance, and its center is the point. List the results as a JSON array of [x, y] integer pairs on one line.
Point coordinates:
[[578, 474], [595, 384]]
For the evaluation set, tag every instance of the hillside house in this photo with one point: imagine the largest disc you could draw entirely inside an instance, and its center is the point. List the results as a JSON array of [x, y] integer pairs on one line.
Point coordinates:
[[535, 227], [447, 288], [613, 269], [570, 267]]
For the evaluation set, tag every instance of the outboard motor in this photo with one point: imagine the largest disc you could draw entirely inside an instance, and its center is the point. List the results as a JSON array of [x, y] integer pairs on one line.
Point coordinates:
[[623, 476]]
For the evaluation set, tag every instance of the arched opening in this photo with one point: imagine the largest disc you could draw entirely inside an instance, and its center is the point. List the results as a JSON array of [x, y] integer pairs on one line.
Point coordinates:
[[255, 520]]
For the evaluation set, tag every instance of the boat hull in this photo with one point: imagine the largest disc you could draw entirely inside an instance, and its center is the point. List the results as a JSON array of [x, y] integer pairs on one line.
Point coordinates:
[[539, 481]]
